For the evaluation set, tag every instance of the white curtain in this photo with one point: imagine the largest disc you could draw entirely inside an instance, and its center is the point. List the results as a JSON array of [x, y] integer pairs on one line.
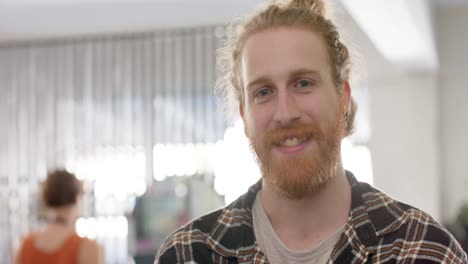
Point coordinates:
[[64, 99]]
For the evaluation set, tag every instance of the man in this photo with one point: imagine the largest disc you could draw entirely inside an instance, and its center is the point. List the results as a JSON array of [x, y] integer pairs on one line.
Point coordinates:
[[288, 72]]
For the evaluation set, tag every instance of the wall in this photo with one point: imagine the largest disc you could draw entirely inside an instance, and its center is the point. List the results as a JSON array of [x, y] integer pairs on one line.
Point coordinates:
[[453, 97], [405, 139], [404, 125]]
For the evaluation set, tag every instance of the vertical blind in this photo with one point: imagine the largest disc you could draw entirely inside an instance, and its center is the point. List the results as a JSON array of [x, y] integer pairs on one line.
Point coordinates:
[[65, 98]]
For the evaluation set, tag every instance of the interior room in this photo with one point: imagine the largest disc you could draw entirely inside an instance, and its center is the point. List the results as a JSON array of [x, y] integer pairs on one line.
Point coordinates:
[[120, 93]]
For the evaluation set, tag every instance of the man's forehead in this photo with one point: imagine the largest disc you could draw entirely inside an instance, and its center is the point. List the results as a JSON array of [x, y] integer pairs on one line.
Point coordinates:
[[287, 36], [283, 49]]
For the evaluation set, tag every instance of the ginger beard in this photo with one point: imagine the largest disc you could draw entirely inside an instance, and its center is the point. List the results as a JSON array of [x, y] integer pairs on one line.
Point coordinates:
[[304, 174]]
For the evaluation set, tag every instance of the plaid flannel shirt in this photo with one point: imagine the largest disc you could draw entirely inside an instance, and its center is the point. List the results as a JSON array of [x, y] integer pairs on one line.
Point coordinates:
[[378, 230]]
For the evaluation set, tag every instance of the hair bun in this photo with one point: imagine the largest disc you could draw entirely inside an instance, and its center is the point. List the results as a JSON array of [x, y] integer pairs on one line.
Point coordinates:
[[316, 6]]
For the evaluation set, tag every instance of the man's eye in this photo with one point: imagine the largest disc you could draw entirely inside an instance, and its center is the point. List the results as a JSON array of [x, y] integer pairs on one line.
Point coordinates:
[[262, 92], [303, 83]]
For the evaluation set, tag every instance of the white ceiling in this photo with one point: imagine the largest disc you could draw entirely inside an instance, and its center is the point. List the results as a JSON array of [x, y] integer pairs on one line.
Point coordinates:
[[22, 20], [451, 2], [31, 19]]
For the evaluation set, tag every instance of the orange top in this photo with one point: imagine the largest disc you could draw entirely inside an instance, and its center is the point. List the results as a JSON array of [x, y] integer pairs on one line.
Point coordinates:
[[67, 253]]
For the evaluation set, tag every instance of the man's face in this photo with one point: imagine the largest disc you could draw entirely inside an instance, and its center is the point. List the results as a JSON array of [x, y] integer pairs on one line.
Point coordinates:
[[293, 115]]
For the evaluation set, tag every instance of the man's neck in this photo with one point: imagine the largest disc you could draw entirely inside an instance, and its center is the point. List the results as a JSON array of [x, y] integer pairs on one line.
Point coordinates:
[[303, 224]]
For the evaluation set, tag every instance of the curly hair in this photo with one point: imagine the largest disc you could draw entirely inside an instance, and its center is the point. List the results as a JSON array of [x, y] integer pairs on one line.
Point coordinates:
[[309, 14]]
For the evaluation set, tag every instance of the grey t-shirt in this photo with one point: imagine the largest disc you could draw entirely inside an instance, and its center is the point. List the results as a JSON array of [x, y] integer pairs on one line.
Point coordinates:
[[277, 252]]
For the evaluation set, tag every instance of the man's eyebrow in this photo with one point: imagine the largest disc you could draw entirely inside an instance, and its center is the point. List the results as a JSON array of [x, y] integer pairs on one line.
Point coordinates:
[[300, 71], [257, 81]]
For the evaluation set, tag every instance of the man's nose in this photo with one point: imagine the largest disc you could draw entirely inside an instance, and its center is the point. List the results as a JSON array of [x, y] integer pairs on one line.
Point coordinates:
[[287, 110]]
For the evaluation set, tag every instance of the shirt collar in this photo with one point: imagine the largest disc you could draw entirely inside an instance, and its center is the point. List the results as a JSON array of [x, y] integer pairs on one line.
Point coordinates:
[[372, 215]]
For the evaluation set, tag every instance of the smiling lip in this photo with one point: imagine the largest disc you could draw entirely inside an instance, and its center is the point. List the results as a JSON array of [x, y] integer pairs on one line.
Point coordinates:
[[292, 150]]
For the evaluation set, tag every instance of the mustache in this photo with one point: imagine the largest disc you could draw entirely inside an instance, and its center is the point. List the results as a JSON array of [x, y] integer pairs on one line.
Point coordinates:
[[300, 131]]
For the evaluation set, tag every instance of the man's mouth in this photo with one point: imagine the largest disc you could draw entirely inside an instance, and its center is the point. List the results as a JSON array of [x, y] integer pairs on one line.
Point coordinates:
[[292, 145], [290, 142]]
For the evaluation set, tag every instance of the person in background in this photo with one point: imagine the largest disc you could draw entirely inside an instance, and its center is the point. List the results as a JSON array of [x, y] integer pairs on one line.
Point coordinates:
[[287, 71], [58, 241]]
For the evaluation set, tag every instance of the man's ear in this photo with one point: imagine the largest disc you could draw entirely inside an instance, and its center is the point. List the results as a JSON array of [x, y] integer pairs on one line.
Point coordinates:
[[346, 96]]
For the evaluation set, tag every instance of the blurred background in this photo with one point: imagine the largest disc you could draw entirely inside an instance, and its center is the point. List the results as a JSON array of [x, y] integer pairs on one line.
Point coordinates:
[[120, 93]]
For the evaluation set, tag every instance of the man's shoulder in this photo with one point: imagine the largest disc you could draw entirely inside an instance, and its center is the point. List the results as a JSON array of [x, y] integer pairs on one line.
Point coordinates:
[[389, 216], [196, 231], [407, 231], [217, 234], [420, 236], [220, 232]]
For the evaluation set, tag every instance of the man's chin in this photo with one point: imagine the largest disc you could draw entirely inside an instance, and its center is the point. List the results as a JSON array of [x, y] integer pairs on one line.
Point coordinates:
[[296, 181], [298, 190]]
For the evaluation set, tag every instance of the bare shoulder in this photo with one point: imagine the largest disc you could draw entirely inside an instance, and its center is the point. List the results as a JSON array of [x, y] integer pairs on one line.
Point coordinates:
[[17, 252], [90, 252], [18, 247]]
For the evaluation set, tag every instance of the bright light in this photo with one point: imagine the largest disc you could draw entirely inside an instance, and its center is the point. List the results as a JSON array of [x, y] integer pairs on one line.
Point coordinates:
[[86, 227], [102, 227], [81, 227], [400, 29], [181, 190], [181, 160], [118, 172], [235, 167], [357, 159]]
